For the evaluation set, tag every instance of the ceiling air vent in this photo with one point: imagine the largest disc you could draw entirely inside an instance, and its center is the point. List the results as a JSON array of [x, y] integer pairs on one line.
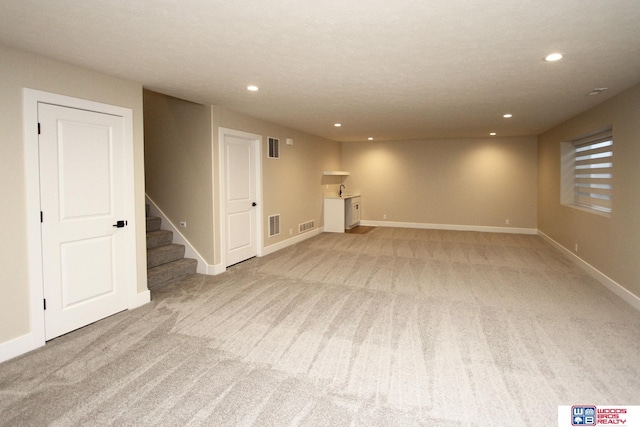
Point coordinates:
[[274, 225], [274, 148]]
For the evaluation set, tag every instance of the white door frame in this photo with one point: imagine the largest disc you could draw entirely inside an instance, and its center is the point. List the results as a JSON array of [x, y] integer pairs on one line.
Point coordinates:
[[257, 143], [31, 100]]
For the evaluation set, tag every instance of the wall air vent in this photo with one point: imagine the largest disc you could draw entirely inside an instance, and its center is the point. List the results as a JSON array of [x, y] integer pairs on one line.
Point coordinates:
[[274, 148], [274, 225], [306, 226]]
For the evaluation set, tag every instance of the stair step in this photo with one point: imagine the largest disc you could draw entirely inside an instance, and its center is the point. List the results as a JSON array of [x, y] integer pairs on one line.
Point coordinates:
[[153, 223], [164, 254], [159, 238], [160, 275], [165, 260]]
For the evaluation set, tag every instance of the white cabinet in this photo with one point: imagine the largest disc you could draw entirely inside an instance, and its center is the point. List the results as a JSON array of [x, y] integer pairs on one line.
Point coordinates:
[[341, 213], [334, 215], [352, 212]]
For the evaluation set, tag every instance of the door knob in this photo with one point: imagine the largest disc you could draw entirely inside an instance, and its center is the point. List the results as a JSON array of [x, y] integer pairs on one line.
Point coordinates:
[[254, 204]]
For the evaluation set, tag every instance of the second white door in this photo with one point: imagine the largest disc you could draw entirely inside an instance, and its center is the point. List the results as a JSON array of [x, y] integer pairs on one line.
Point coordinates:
[[241, 198]]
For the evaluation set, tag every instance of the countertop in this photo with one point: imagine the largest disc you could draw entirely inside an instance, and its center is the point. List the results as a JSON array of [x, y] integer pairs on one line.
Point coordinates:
[[344, 196]]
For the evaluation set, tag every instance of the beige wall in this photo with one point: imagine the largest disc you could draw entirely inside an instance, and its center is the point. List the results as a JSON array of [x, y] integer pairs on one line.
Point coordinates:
[[612, 245], [292, 184], [178, 165], [21, 70], [470, 182]]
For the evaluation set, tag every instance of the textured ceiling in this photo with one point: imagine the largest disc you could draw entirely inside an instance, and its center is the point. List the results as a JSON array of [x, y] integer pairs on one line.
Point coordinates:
[[391, 70]]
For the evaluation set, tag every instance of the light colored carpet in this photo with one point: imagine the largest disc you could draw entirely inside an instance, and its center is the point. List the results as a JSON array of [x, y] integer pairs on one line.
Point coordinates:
[[396, 327]]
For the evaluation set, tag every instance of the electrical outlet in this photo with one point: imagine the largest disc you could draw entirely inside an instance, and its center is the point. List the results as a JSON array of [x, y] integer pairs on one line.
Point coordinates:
[[506, 221], [576, 247], [384, 216], [183, 224], [290, 231]]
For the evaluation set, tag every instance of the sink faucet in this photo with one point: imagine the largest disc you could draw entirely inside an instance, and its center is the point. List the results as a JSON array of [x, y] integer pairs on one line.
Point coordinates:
[[340, 192]]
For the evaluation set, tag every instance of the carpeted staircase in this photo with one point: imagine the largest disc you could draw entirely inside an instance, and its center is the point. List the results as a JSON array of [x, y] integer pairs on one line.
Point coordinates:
[[165, 260]]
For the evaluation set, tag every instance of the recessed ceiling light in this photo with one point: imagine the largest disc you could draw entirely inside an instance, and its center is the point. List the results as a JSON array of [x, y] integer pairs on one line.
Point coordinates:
[[552, 57], [337, 125], [253, 88], [370, 139], [507, 116], [492, 134]]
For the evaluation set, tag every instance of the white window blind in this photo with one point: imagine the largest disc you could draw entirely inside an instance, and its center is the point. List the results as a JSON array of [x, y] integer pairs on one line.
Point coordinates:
[[593, 171]]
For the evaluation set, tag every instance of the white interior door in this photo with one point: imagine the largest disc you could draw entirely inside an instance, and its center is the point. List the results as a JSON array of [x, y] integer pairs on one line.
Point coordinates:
[[83, 249], [240, 198]]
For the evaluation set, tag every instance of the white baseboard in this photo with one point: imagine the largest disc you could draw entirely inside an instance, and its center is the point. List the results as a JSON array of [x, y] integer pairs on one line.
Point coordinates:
[[178, 237], [608, 282], [144, 297], [28, 342], [267, 250], [451, 227], [18, 346], [292, 241], [215, 269]]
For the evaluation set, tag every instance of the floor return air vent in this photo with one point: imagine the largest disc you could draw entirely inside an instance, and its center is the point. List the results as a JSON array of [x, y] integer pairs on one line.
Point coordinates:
[[306, 226], [274, 225]]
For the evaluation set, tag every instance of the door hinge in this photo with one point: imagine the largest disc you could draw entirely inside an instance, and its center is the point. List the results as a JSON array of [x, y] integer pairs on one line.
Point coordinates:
[[45, 303], [41, 217], [38, 128]]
